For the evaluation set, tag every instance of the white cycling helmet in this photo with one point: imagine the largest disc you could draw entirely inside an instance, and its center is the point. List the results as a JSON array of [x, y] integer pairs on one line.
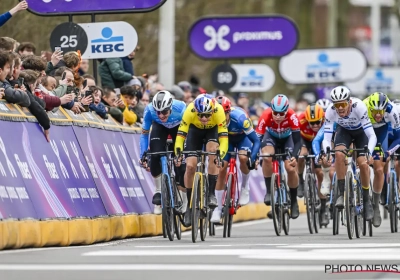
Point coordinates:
[[340, 93], [324, 103], [162, 100]]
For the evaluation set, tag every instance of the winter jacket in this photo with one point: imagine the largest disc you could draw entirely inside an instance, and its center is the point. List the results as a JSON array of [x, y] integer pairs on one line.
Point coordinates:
[[60, 91], [115, 112], [15, 96], [112, 73], [100, 109], [4, 18], [51, 69], [128, 67], [37, 109], [129, 116]]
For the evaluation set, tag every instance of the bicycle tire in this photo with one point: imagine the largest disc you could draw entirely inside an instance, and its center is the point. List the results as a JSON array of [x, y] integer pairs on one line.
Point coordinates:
[[276, 206], [164, 232], [335, 210], [211, 226], [317, 224], [227, 205], [195, 207], [203, 222], [308, 201], [167, 210], [392, 207], [177, 220], [349, 205], [359, 219]]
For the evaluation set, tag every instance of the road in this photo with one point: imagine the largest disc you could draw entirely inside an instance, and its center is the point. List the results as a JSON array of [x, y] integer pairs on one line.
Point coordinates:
[[253, 252]]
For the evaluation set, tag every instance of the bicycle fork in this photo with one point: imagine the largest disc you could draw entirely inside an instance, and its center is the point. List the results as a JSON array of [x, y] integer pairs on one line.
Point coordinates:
[[164, 169]]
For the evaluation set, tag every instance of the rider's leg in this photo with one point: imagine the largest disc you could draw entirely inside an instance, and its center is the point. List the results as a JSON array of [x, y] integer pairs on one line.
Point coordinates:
[[300, 169], [244, 146], [212, 173], [220, 188], [158, 138], [292, 179], [267, 147]]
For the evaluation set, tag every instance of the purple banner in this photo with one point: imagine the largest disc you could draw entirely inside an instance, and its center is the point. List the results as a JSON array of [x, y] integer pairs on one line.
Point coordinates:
[[15, 201], [243, 37], [51, 7], [132, 145], [75, 172], [122, 169]]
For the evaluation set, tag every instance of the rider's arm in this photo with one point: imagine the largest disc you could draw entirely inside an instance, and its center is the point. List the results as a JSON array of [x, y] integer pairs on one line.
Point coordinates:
[[184, 128], [248, 129], [262, 124], [144, 137], [316, 143], [297, 142], [222, 132], [330, 119], [367, 126]]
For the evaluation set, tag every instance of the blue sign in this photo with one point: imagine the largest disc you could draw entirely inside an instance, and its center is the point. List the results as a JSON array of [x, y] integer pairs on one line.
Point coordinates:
[[252, 79], [108, 43], [379, 82], [323, 69]]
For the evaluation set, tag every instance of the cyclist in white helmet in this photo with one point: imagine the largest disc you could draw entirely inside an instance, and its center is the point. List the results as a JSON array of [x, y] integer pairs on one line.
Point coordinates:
[[353, 126], [324, 103]]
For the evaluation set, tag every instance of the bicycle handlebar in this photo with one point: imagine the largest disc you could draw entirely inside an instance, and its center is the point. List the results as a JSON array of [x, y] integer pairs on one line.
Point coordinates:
[[307, 156], [217, 153], [347, 152], [287, 153]]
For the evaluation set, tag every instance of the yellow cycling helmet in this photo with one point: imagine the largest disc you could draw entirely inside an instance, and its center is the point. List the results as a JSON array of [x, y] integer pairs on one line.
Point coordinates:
[[378, 101], [314, 113]]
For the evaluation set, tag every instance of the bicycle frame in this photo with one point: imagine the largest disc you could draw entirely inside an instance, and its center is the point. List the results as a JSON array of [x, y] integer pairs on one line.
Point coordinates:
[[164, 168], [232, 171], [277, 167], [392, 171]]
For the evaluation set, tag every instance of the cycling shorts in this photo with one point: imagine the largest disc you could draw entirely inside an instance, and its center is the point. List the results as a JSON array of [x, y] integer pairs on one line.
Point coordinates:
[[345, 137], [241, 142], [280, 144], [197, 137]]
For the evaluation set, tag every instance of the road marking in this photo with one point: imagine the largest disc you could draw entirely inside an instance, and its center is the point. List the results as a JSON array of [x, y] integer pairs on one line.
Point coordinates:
[[118, 242], [162, 267], [166, 246], [343, 245]]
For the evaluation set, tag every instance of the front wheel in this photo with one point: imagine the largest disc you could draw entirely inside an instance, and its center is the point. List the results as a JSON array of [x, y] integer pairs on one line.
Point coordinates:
[[227, 206], [308, 199], [335, 210], [276, 205], [349, 204], [167, 210], [393, 211], [195, 206]]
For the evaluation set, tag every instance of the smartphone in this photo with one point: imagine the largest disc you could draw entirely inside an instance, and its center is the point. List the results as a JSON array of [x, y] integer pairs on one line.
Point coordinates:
[[84, 83], [22, 82], [63, 76], [57, 49]]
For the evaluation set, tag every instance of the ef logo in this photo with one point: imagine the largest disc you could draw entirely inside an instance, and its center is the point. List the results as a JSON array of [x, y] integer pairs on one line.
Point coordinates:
[[216, 38]]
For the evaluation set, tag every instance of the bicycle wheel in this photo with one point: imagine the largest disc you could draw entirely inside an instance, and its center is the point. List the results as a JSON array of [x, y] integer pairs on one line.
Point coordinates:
[[317, 206], [204, 211], [308, 197], [392, 204], [286, 210], [276, 206], [227, 205], [177, 221], [349, 204], [164, 232], [335, 211], [359, 218], [211, 226], [195, 207], [167, 210]]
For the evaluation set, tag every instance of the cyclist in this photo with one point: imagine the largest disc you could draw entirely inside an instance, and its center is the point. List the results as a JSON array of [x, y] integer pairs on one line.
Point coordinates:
[[203, 120], [163, 115], [242, 136], [353, 126], [278, 127], [381, 113], [324, 103], [310, 122]]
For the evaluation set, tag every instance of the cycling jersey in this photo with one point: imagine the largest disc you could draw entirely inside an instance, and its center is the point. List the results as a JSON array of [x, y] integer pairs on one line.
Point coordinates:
[[357, 119], [305, 129], [317, 141], [281, 130], [239, 127], [150, 116], [217, 119]]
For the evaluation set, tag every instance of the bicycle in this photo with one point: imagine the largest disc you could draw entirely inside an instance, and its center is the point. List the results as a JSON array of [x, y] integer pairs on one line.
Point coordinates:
[[311, 198], [171, 214], [279, 190], [199, 199], [337, 213], [392, 198], [354, 212]]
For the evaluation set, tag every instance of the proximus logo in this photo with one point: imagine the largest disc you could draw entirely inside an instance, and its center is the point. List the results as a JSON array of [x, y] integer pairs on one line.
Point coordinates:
[[216, 38]]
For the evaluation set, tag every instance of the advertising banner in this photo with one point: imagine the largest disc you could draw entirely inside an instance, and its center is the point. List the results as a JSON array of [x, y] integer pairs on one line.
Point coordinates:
[[75, 172], [132, 145], [122, 169], [253, 78], [224, 37], [317, 66], [382, 79], [60, 7], [100, 168]]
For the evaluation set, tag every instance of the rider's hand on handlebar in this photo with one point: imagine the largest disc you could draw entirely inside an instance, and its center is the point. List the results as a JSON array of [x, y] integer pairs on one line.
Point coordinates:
[[293, 162], [178, 161], [144, 165]]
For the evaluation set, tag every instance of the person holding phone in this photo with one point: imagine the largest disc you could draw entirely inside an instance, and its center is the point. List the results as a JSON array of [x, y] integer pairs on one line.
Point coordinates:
[[23, 5]]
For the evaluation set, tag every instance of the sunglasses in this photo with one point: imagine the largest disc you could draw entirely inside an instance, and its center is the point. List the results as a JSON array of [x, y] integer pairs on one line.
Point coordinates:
[[375, 112], [204, 116], [315, 123], [165, 112], [278, 114], [341, 104]]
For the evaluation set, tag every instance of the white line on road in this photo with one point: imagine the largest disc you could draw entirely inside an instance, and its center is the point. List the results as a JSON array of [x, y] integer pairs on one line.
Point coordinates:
[[343, 245], [166, 246], [162, 267]]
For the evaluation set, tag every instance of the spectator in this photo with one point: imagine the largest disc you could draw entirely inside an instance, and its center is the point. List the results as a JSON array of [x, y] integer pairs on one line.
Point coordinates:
[[177, 92], [84, 67], [243, 101], [6, 16], [6, 44], [17, 66], [127, 96], [112, 73], [71, 60], [136, 109], [46, 55], [33, 62], [109, 99], [90, 80], [187, 91], [127, 63], [145, 99], [26, 48], [17, 96], [97, 105], [49, 83], [61, 70], [15, 43]]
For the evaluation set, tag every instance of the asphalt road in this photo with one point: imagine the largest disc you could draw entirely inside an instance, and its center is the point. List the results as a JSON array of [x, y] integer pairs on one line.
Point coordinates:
[[253, 252]]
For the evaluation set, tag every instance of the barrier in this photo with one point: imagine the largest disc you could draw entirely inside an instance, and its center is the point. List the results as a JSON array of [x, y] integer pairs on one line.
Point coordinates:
[[83, 187]]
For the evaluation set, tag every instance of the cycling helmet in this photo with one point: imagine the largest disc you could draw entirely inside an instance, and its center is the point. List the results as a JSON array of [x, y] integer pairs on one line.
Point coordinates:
[[340, 93], [396, 101], [162, 100], [225, 103], [203, 104], [314, 112], [378, 101], [280, 103], [324, 103]]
